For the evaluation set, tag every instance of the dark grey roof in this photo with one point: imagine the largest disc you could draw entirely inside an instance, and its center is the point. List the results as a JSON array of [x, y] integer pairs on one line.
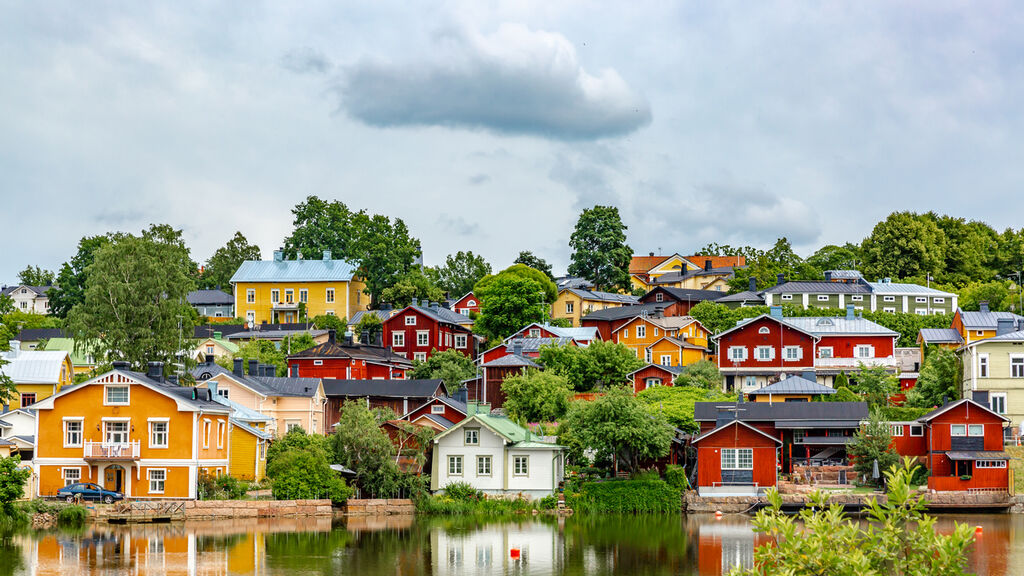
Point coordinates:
[[386, 388], [4, 442], [604, 296], [745, 296], [214, 297], [941, 336], [819, 287], [266, 385], [673, 277], [673, 369], [845, 274], [37, 289], [375, 354], [621, 312], [782, 411], [207, 330], [34, 334], [793, 385], [510, 360], [30, 438], [532, 344], [5, 424], [380, 314], [190, 395], [978, 455], [688, 294], [272, 334], [827, 440], [989, 320], [442, 314], [563, 282], [440, 420]]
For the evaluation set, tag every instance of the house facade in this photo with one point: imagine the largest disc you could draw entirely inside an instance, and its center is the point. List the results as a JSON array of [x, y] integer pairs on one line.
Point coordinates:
[[497, 456], [416, 332], [29, 299], [401, 396], [439, 412], [131, 432], [574, 303], [212, 303], [851, 289], [993, 373], [581, 335], [36, 374], [348, 360], [736, 459], [965, 442], [653, 376], [982, 324], [678, 301], [468, 304], [671, 341], [216, 346], [278, 290]]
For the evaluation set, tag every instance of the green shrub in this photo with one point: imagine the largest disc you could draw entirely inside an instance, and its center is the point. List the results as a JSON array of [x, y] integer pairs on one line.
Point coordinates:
[[549, 502], [72, 516], [462, 492], [232, 488], [444, 505], [903, 413], [627, 497], [675, 476], [306, 475]]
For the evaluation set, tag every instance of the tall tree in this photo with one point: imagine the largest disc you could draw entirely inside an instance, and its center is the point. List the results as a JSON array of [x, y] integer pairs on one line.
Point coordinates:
[[511, 299], [8, 391], [384, 250], [536, 396], [321, 225], [832, 257], [461, 271], [599, 365], [450, 365], [416, 283], [71, 280], [617, 425], [35, 276], [904, 245], [135, 306], [599, 250], [876, 384], [536, 262], [873, 443], [767, 265], [360, 445], [225, 262], [939, 379]]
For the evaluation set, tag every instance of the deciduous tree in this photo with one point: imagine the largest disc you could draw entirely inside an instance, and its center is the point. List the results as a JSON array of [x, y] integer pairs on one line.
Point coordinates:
[[876, 384], [599, 365], [450, 365], [35, 276], [461, 271], [873, 442], [904, 244], [512, 299], [413, 284], [225, 262], [617, 425], [676, 403], [384, 250], [599, 250], [361, 446], [939, 378], [536, 396], [71, 279], [536, 262], [321, 225]]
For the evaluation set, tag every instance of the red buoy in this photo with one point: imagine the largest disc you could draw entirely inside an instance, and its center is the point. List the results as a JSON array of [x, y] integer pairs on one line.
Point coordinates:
[[514, 553]]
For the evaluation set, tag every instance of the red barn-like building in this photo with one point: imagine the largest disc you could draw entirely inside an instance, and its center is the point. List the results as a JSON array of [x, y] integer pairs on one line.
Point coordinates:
[[964, 442], [348, 361], [654, 375], [415, 332], [441, 412], [736, 459]]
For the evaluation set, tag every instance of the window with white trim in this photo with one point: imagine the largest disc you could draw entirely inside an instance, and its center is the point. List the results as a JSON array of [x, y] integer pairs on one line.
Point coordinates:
[[534, 333], [461, 340], [647, 355], [982, 365], [157, 478], [990, 464], [116, 432], [303, 295], [997, 402], [787, 296], [329, 295], [864, 351], [889, 310], [221, 433], [422, 337], [472, 436], [158, 434], [520, 465], [857, 298], [455, 465], [764, 330], [437, 409], [71, 475], [764, 353], [921, 299], [209, 349], [289, 295], [652, 382], [792, 353], [483, 465], [659, 297], [641, 331], [398, 339], [737, 458], [825, 352], [897, 430], [822, 297], [916, 430], [750, 382], [939, 311], [666, 360], [421, 356], [250, 295], [290, 425], [938, 300], [207, 426], [116, 395], [975, 430], [737, 353], [275, 296], [921, 311], [318, 362], [888, 298], [1016, 366], [570, 307], [958, 430], [410, 320], [471, 303], [73, 433]]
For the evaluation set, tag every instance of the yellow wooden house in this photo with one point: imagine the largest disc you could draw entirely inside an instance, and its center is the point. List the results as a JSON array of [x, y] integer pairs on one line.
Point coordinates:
[[282, 290], [677, 271], [669, 341], [574, 303], [36, 374]]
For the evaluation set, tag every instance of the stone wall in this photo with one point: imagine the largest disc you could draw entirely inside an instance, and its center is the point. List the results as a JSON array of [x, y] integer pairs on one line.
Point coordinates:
[[200, 509], [378, 507]]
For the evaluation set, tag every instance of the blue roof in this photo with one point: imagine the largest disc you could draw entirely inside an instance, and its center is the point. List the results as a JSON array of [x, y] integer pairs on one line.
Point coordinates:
[[793, 385], [294, 271]]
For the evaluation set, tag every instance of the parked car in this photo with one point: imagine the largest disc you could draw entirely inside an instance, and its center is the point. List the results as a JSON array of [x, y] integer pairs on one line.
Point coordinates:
[[88, 491]]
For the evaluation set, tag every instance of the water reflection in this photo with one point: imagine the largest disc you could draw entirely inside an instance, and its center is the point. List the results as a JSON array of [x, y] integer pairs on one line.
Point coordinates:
[[696, 545]]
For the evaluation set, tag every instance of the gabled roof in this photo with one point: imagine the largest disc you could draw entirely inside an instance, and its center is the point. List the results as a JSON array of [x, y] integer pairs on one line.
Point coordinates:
[[943, 409], [294, 271], [440, 314], [843, 412], [940, 336], [904, 288], [718, 261], [39, 290], [793, 385], [515, 434], [845, 274], [34, 366], [380, 314], [666, 322], [596, 296], [532, 344], [510, 361], [620, 312], [78, 358], [272, 334], [745, 296], [209, 297], [678, 342], [262, 385], [457, 405], [642, 264], [750, 321], [250, 429], [687, 294], [34, 334], [730, 424], [818, 286], [574, 332], [356, 351], [384, 388], [838, 325], [987, 320], [674, 370], [186, 397], [673, 277]]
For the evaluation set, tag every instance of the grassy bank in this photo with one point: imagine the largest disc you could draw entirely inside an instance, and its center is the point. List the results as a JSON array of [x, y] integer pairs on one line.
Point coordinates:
[[641, 496]]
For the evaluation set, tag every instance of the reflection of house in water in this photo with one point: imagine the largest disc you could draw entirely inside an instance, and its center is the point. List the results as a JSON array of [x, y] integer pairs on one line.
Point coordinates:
[[726, 543], [458, 552]]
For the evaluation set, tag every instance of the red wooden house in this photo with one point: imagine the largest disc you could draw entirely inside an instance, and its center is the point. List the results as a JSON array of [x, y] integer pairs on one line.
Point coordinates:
[[466, 304], [736, 458], [348, 361], [582, 336], [964, 442], [440, 412], [530, 347], [399, 395], [759, 351], [487, 387], [654, 375], [415, 332]]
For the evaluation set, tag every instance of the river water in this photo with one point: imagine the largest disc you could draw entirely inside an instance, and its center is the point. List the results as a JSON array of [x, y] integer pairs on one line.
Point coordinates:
[[686, 545]]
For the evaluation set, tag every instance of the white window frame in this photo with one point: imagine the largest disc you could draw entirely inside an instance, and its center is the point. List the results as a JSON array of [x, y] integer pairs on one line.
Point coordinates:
[[289, 295], [106, 394], [652, 382], [889, 310], [410, 319], [166, 432], [155, 488], [990, 464], [764, 330], [127, 431], [758, 356], [520, 465], [983, 366], [665, 360], [733, 356], [1000, 406], [857, 298], [224, 393], [787, 296], [222, 432], [1016, 366], [290, 425], [863, 351], [920, 300], [318, 362], [958, 430], [641, 331], [976, 430], [455, 465], [897, 430], [398, 339], [792, 353], [569, 307], [534, 333], [461, 340], [421, 356], [471, 436], [921, 311], [625, 332], [70, 479], [737, 458], [303, 295], [938, 300], [483, 465], [659, 297], [823, 297], [888, 298], [81, 431], [437, 409], [329, 295], [207, 428], [275, 295], [916, 430], [423, 337], [825, 352], [250, 295]]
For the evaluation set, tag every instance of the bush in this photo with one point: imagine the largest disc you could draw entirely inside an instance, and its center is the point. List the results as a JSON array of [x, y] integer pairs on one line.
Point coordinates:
[[306, 475], [903, 413], [72, 516], [549, 502], [443, 505], [675, 476], [232, 488], [627, 497], [462, 492]]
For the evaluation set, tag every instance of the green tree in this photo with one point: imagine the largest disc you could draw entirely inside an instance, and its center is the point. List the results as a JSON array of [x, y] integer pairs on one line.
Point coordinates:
[[899, 538], [767, 265], [511, 299], [135, 305], [360, 445], [544, 283], [842, 381], [6, 305], [939, 378], [450, 365], [385, 252], [35, 276], [321, 225], [616, 425], [903, 245], [969, 249], [832, 257], [599, 365], [413, 284], [300, 470], [536, 396], [12, 483], [676, 403], [412, 442], [700, 374], [226, 261], [263, 351], [599, 250], [715, 317], [8, 390], [1000, 295], [461, 272], [873, 442], [295, 440], [71, 279], [876, 384], [528, 258], [331, 322], [371, 324]]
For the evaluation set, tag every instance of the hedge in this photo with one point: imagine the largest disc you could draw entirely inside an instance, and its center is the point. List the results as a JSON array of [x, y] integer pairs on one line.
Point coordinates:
[[627, 497]]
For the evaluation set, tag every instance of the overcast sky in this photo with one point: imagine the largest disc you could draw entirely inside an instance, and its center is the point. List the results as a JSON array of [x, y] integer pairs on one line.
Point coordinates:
[[488, 126]]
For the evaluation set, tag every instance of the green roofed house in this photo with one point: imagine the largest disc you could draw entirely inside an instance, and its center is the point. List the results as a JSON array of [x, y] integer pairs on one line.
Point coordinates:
[[216, 346], [82, 362], [496, 456]]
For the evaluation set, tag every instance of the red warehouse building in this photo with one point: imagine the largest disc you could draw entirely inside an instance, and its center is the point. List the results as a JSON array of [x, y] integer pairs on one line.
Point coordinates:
[[348, 361], [736, 459], [757, 352], [654, 375], [964, 442], [678, 301], [441, 412], [415, 332]]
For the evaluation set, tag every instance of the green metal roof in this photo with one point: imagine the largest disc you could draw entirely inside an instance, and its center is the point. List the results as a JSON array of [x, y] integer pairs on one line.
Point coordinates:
[[227, 344], [68, 345], [294, 271], [507, 428]]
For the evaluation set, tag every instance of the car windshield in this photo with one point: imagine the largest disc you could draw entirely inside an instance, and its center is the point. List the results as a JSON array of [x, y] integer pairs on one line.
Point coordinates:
[[92, 487]]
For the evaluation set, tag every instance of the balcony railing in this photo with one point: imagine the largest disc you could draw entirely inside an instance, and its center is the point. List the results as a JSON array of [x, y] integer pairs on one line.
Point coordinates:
[[854, 362], [112, 450], [285, 305]]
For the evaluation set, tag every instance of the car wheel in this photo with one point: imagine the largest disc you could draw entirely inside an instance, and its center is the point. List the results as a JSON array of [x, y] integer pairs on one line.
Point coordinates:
[[108, 499], [69, 498]]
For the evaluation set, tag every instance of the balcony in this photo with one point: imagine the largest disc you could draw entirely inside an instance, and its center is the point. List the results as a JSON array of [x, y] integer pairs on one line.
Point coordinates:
[[287, 306], [855, 362], [111, 451]]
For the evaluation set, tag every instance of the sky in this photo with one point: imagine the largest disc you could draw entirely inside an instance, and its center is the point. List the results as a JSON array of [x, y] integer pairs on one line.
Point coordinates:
[[488, 126]]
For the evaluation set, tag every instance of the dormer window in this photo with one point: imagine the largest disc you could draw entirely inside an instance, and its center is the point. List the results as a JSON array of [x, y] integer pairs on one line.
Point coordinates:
[[659, 297]]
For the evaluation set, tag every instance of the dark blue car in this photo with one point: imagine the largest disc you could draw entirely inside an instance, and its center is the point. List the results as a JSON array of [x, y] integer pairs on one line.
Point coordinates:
[[88, 491]]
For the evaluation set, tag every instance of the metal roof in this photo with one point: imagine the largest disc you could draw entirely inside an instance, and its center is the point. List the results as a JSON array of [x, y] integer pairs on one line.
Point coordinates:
[[272, 334], [989, 320], [818, 286], [978, 455], [294, 271], [845, 274], [901, 288], [940, 336], [215, 297], [746, 296], [574, 332], [250, 429], [826, 440], [621, 312], [440, 420], [442, 314], [829, 325], [671, 369], [386, 388], [34, 366], [603, 296], [799, 414], [265, 385], [510, 360], [689, 294], [793, 385]]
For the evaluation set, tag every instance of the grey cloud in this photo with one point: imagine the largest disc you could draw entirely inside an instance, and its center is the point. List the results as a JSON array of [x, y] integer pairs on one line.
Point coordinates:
[[306, 61], [458, 225], [119, 217], [479, 179], [514, 81]]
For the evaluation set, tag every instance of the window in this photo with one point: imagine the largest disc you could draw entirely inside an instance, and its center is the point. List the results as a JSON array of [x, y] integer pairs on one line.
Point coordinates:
[[750, 382], [939, 311], [116, 432], [437, 409], [857, 298], [329, 297], [888, 299], [822, 297], [864, 351], [916, 430], [659, 297], [764, 330], [569, 306], [250, 316], [983, 366], [979, 333], [764, 353], [318, 362], [157, 434], [410, 320], [1016, 366], [798, 436], [455, 465], [420, 356], [250, 295], [787, 296], [997, 403], [534, 332], [221, 428], [422, 337], [737, 459], [792, 353], [224, 393], [958, 430], [938, 300], [398, 339], [647, 355], [641, 331], [206, 433], [116, 395], [990, 464], [291, 425], [520, 465], [28, 399], [289, 296], [483, 465], [921, 311], [652, 382], [897, 431], [209, 348], [737, 353], [889, 310], [71, 475], [460, 340], [448, 340], [666, 360], [921, 299], [275, 296], [303, 295], [472, 436], [825, 352], [73, 433], [625, 332], [976, 430], [156, 480]]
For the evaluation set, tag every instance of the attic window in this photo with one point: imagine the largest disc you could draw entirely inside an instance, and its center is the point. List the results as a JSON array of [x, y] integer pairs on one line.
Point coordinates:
[[659, 297], [437, 409], [825, 322], [764, 330]]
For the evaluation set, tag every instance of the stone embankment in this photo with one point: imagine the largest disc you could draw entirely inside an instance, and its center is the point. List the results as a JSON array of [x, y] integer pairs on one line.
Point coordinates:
[[381, 507], [150, 511], [694, 504]]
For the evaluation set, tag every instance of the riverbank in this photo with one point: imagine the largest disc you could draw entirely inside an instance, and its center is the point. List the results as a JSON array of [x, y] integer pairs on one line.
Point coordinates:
[[937, 501]]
